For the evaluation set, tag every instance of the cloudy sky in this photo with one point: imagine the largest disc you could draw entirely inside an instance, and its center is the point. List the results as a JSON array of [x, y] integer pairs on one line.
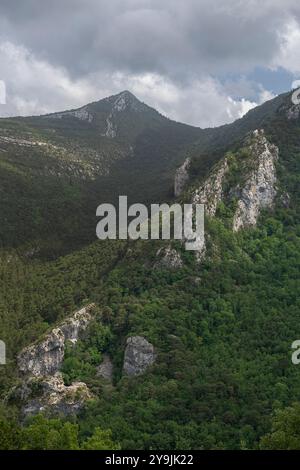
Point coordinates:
[[204, 62]]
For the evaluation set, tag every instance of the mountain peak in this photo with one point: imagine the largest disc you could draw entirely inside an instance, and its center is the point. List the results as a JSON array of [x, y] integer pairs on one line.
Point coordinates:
[[127, 94], [125, 100]]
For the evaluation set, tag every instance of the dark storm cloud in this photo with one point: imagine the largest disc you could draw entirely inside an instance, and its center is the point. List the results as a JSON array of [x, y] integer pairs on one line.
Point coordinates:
[[174, 37], [189, 58]]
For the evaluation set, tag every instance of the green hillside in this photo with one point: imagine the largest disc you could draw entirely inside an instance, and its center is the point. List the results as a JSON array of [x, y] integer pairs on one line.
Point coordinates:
[[222, 328]]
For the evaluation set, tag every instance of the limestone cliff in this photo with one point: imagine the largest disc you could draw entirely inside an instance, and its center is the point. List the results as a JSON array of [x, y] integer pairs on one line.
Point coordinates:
[[293, 112], [139, 355], [43, 386], [50, 393], [82, 114], [181, 177], [256, 186], [45, 357], [259, 190], [210, 193]]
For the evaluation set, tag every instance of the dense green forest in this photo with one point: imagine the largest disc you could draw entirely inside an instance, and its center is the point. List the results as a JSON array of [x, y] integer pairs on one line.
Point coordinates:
[[223, 330], [55, 171]]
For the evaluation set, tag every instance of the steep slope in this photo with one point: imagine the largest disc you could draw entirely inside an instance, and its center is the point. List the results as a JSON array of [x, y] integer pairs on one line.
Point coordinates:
[[221, 329], [215, 142], [56, 169]]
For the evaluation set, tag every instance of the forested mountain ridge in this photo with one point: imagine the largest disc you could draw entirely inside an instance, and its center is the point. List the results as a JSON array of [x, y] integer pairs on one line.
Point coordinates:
[[56, 169], [221, 328]]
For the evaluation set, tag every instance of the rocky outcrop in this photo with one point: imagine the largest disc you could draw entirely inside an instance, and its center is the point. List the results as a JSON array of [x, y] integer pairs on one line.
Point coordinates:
[[123, 101], [256, 189], [292, 106], [169, 258], [45, 357], [43, 386], [259, 189], [83, 114], [51, 393], [293, 112], [105, 369], [285, 200], [181, 177], [210, 192], [111, 128], [139, 355]]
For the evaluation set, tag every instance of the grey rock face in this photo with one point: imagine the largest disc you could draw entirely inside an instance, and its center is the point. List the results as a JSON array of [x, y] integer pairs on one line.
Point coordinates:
[[293, 112], [50, 393], [105, 369], [139, 355], [111, 128], [255, 191], [181, 177], [82, 114], [168, 258], [285, 200], [259, 190], [43, 388], [45, 358], [124, 101], [211, 192]]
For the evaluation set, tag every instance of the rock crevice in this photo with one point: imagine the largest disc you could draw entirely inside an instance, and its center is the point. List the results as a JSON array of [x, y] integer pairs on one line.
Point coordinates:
[[181, 177]]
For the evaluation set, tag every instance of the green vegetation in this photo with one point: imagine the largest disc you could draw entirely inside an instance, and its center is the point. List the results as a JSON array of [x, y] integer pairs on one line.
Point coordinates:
[[41, 433], [223, 330], [285, 432], [54, 172], [80, 362], [224, 340]]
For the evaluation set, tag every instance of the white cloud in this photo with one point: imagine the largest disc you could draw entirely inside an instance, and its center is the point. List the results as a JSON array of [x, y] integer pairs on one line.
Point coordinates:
[[202, 102], [296, 84], [35, 87], [164, 52], [288, 54]]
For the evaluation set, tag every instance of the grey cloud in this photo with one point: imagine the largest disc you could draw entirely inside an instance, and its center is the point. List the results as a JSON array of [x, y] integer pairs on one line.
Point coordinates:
[[177, 55], [174, 38]]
